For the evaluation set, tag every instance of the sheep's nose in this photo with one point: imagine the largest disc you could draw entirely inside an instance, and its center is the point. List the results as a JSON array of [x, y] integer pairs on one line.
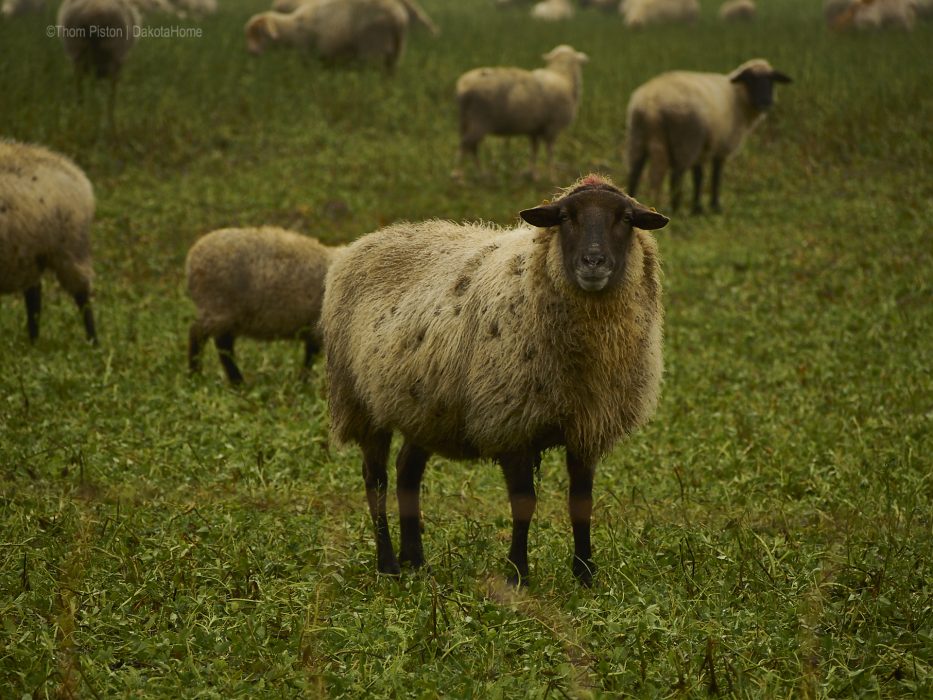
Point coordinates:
[[594, 259]]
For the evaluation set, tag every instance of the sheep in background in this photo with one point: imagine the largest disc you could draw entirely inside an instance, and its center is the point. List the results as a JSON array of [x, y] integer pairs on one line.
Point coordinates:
[[552, 10], [195, 8], [638, 13], [46, 209], [335, 28], [16, 8], [97, 36], [737, 10], [513, 101], [923, 8], [416, 14], [682, 119], [265, 283], [875, 14], [476, 342]]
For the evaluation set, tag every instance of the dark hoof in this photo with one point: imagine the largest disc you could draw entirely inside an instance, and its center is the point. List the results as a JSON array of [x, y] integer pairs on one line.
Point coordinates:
[[415, 561], [584, 571], [390, 568]]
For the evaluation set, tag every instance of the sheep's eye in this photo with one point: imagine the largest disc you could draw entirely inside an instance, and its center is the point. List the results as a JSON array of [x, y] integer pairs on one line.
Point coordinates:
[[564, 217], [627, 217]]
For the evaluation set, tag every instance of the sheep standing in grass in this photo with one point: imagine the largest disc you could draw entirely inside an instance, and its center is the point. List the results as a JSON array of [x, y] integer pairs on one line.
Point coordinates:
[[680, 120], [15, 8], [874, 14], [98, 35], [638, 13], [374, 29], [513, 101], [737, 10], [552, 10], [481, 343], [264, 283], [46, 209]]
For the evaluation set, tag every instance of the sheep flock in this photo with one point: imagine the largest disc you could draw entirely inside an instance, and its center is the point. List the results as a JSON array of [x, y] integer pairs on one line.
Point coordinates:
[[469, 340]]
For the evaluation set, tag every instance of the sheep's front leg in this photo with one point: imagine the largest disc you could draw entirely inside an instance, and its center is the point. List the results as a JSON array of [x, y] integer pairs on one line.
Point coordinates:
[[519, 477], [83, 302], [224, 343], [580, 502], [375, 456], [410, 465], [33, 297]]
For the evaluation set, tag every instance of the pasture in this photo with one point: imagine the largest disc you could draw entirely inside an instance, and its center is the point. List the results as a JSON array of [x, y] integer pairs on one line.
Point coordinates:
[[769, 534]]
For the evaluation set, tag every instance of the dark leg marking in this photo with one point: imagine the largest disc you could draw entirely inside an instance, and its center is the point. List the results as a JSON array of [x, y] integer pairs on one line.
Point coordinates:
[[519, 477], [33, 296], [677, 178], [375, 455], [224, 345], [580, 502], [697, 188], [714, 192], [82, 299], [410, 465], [635, 175]]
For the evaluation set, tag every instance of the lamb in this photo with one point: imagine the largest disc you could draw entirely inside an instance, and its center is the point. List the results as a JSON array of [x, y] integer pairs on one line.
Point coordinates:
[[638, 13], [97, 36], [874, 14], [336, 28], [552, 10], [15, 8], [737, 10], [265, 283], [682, 119], [481, 343], [46, 209], [512, 101]]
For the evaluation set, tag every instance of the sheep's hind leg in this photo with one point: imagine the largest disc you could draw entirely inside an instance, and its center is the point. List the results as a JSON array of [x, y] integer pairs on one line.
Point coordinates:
[[311, 349], [196, 338], [634, 175], [83, 301], [410, 465], [697, 188], [580, 502], [519, 477], [375, 455], [676, 182], [33, 297], [714, 185], [224, 343]]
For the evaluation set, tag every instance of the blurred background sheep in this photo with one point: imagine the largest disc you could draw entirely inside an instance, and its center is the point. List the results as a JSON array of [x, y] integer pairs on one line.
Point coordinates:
[[872, 14], [14, 8], [553, 10], [46, 210], [737, 10], [638, 13], [681, 120], [507, 101]]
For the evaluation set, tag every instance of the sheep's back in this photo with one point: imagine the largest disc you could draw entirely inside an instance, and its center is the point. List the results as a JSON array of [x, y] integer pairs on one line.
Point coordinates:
[[264, 283], [46, 209], [508, 100]]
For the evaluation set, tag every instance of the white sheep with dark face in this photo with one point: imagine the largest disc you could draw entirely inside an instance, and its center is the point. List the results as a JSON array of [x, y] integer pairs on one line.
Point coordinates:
[[476, 342], [681, 120]]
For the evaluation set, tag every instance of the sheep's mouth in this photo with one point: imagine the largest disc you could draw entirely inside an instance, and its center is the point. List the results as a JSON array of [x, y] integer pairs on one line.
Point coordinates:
[[592, 281]]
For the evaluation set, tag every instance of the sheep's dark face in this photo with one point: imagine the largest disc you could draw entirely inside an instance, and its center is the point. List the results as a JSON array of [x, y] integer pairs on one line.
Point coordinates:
[[595, 228], [760, 85]]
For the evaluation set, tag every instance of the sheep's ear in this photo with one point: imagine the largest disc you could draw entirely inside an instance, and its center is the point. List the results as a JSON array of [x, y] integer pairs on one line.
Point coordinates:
[[542, 217], [778, 77], [648, 219], [740, 76]]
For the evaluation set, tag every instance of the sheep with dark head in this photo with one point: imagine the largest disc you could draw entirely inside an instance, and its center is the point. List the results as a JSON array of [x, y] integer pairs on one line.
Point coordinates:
[[479, 342]]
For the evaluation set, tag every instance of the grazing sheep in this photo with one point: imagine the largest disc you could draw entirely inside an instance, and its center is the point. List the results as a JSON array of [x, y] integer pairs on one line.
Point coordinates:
[[416, 14], [737, 10], [15, 8], [46, 209], [552, 10], [513, 101], [335, 28], [638, 13], [476, 342], [875, 14], [97, 35], [680, 120], [264, 283]]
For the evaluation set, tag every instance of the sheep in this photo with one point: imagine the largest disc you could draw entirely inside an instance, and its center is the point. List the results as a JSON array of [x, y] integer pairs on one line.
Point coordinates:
[[552, 10], [336, 28], [512, 101], [416, 14], [737, 10], [265, 283], [97, 36], [638, 13], [923, 9], [874, 14], [15, 8], [481, 343], [46, 209], [682, 119]]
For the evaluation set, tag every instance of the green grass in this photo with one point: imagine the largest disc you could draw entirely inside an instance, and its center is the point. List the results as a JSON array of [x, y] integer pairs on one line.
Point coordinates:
[[770, 534]]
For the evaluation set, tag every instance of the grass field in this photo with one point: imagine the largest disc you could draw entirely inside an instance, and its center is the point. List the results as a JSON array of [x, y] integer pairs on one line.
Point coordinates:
[[770, 534]]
